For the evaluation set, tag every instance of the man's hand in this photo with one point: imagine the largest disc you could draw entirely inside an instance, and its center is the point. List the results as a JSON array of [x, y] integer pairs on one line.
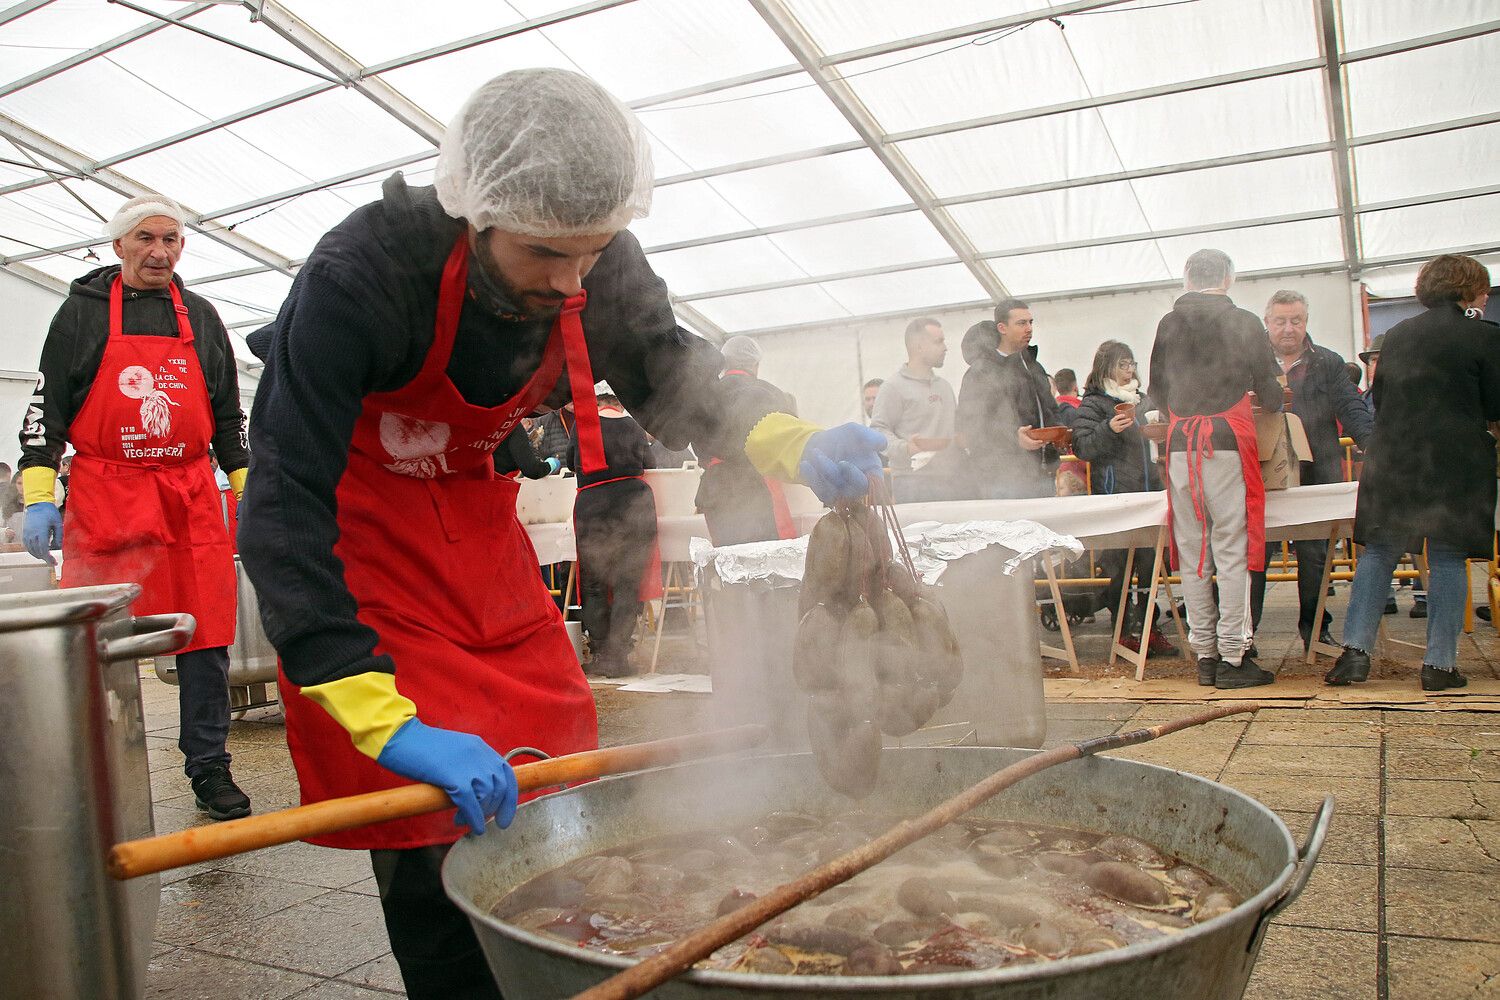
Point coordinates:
[[477, 779], [42, 531], [1028, 442], [1120, 422], [837, 463], [928, 444]]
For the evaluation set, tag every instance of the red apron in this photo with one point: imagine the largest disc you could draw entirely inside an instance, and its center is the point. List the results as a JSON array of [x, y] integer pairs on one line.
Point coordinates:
[[650, 587], [447, 578], [143, 506], [1199, 433]]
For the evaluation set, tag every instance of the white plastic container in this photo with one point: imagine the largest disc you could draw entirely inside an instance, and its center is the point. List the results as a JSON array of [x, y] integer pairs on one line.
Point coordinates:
[[546, 501], [675, 490]]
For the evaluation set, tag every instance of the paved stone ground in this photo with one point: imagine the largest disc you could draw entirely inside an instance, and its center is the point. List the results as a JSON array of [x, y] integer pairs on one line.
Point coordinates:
[[1405, 904]]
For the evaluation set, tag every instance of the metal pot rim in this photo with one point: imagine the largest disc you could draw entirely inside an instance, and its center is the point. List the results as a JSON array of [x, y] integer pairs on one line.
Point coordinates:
[[1256, 906], [45, 609]]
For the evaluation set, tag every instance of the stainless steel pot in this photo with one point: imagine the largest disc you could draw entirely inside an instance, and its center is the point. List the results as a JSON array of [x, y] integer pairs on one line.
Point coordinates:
[[252, 658], [74, 781], [1205, 823]]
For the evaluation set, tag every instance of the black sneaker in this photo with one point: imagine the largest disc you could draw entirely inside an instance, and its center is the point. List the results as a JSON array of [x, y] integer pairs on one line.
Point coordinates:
[[1436, 679], [1390, 606], [1419, 608], [1208, 668], [216, 794], [1482, 612], [1251, 651], [1325, 637], [1247, 675], [1352, 666]]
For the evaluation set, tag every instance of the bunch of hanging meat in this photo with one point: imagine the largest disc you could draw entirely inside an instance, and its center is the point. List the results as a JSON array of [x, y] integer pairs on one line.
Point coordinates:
[[874, 651]]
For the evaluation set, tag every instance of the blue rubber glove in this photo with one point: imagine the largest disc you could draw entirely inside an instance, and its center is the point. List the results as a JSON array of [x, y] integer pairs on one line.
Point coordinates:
[[476, 778], [837, 463], [42, 531], [553, 465]]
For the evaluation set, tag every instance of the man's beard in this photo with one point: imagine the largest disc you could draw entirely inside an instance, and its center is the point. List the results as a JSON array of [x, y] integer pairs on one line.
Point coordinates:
[[500, 296]]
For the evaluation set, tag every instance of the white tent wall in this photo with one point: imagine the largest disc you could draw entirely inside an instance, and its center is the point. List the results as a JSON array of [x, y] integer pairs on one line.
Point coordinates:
[[824, 367], [27, 310]]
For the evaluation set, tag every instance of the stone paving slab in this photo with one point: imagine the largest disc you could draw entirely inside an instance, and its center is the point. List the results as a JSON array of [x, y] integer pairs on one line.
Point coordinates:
[[1313, 734], [1436, 797], [1442, 904], [1450, 765], [381, 974], [335, 989], [203, 905], [1338, 897], [1304, 794], [1352, 838], [326, 936], [1304, 761], [1301, 963], [1428, 969], [186, 974], [1447, 844]]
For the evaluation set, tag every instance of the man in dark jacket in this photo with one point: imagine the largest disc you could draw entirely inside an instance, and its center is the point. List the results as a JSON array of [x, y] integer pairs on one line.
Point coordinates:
[[1004, 393], [1208, 353], [1323, 398]]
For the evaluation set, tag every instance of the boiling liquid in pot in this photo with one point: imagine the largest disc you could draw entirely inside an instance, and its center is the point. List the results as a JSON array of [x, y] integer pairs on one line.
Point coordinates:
[[974, 895]]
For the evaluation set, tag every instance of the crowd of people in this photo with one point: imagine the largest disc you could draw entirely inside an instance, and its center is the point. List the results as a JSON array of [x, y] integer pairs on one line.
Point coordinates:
[[1422, 427]]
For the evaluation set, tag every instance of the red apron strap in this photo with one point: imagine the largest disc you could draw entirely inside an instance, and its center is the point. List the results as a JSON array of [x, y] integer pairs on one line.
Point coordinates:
[[117, 311], [184, 327], [581, 379], [783, 513], [604, 482]]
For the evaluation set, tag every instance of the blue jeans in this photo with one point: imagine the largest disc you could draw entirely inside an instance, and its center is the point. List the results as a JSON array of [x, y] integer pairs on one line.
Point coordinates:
[[203, 703], [1448, 588]]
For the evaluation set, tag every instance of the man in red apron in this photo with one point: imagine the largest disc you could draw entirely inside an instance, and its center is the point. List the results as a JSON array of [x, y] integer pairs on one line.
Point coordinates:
[[737, 502], [417, 640], [137, 373], [1208, 354]]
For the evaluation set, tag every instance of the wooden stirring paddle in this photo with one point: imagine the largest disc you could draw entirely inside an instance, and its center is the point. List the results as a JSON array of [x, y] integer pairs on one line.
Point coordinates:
[[205, 843]]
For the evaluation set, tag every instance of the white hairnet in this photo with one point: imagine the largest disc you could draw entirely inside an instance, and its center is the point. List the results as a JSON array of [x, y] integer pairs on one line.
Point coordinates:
[[130, 214], [740, 352], [545, 152]]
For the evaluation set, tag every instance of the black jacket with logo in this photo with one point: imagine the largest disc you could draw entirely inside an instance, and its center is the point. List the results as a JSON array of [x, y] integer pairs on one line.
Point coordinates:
[[998, 395]]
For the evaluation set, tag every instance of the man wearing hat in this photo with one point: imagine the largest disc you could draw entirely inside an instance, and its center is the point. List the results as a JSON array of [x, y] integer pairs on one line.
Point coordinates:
[[1371, 361], [138, 375], [417, 640], [737, 502]]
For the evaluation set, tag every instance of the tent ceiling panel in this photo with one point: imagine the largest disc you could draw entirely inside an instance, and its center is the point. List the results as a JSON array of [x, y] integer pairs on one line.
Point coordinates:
[[688, 211], [952, 82], [69, 267], [215, 169], [724, 265], [1037, 151], [782, 307], [748, 123], [1401, 280], [809, 189], [850, 246], [1051, 217], [1172, 44], [838, 26], [250, 293], [64, 28], [1266, 114], [1423, 229], [440, 85], [920, 288], [1449, 161], [52, 210], [366, 190], [1262, 248], [294, 227], [1455, 80], [203, 257], [1089, 267], [72, 108], [1240, 192], [376, 32], [1368, 23]]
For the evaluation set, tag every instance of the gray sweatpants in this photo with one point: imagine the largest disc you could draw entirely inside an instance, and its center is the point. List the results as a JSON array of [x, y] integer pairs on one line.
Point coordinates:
[[1213, 627]]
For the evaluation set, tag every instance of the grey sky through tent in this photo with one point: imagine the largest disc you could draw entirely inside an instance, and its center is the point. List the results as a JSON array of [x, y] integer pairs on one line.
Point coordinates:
[[807, 151]]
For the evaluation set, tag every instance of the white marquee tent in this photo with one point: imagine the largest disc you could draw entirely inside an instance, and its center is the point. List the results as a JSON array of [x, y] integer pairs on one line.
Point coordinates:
[[825, 168]]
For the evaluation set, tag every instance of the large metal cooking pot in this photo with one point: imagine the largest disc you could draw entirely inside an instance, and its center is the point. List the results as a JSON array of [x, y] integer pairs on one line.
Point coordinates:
[[74, 781], [1212, 826]]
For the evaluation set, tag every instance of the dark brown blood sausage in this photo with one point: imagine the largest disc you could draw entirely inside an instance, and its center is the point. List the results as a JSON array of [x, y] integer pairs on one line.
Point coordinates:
[[825, 573], [815, 654]]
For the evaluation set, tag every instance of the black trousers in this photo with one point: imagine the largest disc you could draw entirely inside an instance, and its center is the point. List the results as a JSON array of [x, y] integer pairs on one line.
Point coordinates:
[[615, 524], [1312, 555], [432, 939], [203, 703], [1112, 562]]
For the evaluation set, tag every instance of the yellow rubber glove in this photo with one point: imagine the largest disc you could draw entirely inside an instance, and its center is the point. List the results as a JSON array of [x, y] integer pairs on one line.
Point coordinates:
[[237, 482], [39, 485], [367, 705], [775, 445]]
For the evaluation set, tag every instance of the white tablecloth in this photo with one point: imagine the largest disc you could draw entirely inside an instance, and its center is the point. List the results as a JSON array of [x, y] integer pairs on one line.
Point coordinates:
[[1119, 521]]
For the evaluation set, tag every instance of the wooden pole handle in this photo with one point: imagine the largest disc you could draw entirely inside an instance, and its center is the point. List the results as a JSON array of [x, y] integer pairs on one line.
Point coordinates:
[[205, 843]]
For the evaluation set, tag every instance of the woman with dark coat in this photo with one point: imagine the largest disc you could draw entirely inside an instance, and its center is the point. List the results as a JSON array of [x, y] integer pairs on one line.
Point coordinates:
[[1430, 471], [1119, 458]]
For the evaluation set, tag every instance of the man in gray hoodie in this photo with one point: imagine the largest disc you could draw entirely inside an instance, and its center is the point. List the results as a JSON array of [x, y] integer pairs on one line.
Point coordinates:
[[916, 405]]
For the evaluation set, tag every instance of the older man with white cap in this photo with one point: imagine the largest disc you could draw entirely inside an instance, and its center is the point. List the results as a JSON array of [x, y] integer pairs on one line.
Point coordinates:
[[417, 641], [138, 375]]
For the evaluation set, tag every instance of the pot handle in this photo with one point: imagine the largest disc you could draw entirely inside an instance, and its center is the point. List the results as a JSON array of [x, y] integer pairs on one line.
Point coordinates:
[[1307, 856], [152, 635]]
